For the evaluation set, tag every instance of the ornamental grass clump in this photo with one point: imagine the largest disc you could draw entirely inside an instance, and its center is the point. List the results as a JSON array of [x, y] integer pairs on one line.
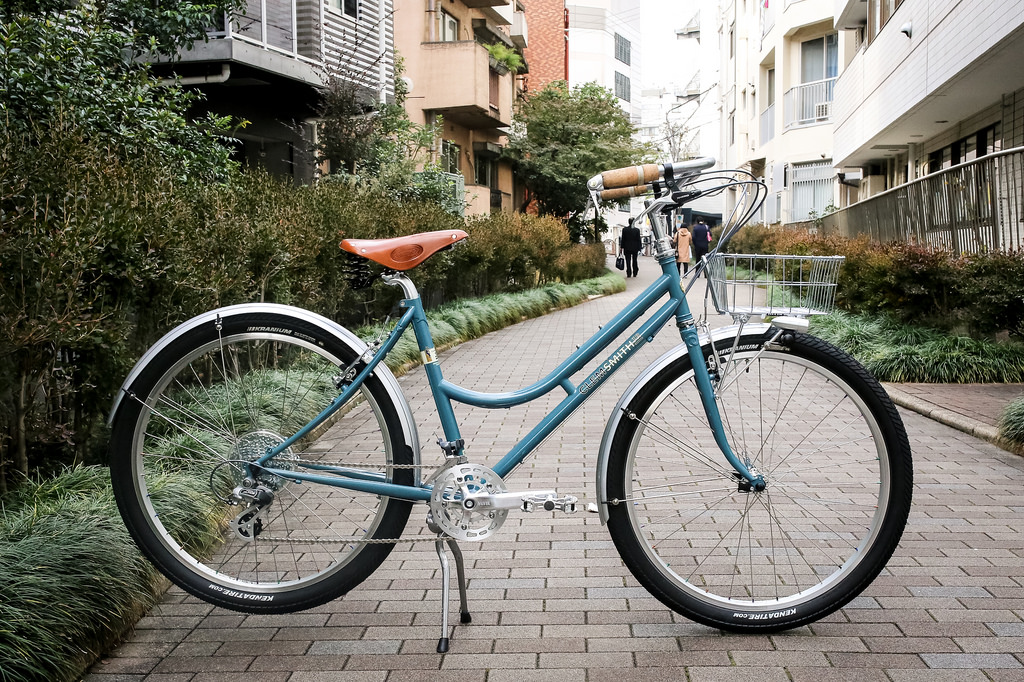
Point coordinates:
[[73, 579], [1011, 423], [898, 352]]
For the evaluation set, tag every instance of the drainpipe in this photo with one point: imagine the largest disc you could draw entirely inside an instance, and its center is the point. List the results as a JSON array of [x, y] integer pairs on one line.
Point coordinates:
[[566, 21], [431, 21], [382, 37], [225, 73]]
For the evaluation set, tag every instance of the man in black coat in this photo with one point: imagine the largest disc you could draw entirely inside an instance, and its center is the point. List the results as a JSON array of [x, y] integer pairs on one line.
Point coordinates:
[[630, 243], [701, 241]]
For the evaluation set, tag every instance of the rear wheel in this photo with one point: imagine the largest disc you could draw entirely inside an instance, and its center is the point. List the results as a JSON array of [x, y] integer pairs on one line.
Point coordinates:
[[832, 449], [213, 401]]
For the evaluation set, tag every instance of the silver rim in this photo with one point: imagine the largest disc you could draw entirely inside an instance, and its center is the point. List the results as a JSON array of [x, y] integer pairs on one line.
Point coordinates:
[[226, 402], [820, 450]]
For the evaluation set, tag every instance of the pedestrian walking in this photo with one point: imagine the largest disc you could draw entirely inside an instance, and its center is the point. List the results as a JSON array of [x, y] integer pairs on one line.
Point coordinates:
[[701, 241], [682, 243], [630, 244]]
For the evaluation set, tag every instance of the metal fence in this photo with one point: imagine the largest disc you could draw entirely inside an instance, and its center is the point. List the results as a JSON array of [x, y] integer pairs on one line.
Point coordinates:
[[973, 207]]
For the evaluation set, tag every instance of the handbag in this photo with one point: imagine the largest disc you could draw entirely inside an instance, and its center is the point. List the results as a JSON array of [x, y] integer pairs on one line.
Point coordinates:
[[620, 263]]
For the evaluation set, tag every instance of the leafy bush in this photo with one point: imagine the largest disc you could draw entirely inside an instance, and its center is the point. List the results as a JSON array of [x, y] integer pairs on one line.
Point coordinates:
[[982, 294], [99, 256]]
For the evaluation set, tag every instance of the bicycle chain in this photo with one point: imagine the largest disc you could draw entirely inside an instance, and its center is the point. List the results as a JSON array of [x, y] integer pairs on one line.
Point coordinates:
[[355, 541]]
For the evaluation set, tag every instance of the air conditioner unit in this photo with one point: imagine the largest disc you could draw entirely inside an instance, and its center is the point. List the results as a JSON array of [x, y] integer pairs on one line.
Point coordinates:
[[823, 110]]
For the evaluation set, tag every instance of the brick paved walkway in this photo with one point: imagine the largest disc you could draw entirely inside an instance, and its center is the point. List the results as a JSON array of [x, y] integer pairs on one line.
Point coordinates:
[[552, 601]]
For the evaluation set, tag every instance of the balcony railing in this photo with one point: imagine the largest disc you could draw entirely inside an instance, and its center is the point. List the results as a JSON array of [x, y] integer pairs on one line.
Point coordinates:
[[973, 207], [768, 124], [270, 24], [809, 103], [767, 17]]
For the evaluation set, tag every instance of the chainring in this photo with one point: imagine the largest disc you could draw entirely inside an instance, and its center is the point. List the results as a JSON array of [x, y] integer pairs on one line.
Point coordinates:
[[451, 485]]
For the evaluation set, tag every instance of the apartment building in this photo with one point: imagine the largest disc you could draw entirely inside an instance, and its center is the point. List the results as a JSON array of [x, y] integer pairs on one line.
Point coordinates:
[[267, 64], [454, 79], [928, 86], [680, 105], [604, 48], [780, 63]]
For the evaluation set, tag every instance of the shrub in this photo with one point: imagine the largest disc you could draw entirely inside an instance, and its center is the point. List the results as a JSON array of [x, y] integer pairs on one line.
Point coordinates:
[[982, 294], [99, 256]]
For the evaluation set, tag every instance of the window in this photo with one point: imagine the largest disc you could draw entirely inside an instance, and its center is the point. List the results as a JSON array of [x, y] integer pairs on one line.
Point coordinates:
[[494, 89], [486, 171], [879, 13], [819, 58], [810, 189], [770, 88], [974, 146], [732, 41], [451, 155], [622, 86], [731, 125], [448, 31], [621, 49], [348, 7]]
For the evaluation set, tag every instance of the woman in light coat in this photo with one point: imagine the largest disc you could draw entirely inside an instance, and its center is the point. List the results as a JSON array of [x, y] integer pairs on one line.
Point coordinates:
[[682, 243]]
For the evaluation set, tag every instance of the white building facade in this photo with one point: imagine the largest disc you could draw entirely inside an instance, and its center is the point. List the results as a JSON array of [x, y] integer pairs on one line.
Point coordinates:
[[604, 48], [680, 114], [780, 63], [930, 85]]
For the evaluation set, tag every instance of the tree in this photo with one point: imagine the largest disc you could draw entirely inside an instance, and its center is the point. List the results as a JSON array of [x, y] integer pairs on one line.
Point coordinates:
[[563, 137], [76, 66], [376, 145]]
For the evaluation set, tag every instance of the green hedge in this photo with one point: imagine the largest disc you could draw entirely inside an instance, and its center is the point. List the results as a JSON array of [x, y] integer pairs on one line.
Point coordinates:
[[978, 294], [99, 257]]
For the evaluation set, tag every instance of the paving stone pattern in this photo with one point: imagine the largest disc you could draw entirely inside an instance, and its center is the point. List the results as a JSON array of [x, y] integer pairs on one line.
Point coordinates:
[[551, 600]]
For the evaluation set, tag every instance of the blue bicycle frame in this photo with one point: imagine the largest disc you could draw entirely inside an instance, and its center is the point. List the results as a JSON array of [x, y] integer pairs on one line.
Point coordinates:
[[445, 392]]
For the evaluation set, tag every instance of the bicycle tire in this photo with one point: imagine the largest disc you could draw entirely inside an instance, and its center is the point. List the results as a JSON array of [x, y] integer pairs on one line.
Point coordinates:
[[836, 459], [218, 396]]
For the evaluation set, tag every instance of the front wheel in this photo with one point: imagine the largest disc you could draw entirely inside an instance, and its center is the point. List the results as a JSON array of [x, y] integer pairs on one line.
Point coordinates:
[[186, 434], [835, 456]]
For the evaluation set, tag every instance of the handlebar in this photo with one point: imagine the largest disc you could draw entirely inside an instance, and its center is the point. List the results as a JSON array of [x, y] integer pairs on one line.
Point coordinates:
[[641, 176]]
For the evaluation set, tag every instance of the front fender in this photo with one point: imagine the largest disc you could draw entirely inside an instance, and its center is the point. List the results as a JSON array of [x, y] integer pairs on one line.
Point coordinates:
[[634, 388], [329, 326]]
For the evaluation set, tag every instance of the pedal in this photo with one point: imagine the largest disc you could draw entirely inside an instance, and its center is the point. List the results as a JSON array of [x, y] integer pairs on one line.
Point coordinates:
[[565, 504]]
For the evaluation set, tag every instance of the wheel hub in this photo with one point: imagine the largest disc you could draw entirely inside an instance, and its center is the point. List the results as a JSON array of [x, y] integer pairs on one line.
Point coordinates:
[[253, 446]]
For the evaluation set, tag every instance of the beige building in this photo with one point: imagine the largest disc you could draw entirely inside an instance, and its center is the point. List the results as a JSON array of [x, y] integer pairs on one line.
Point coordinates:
[[453, 78], [780, 63]]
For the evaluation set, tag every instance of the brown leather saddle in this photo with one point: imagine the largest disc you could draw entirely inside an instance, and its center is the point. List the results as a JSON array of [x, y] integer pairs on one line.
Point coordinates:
[[403, 253]]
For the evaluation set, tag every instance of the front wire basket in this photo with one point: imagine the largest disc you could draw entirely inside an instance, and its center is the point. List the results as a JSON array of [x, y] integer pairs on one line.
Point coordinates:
[[754, 284]]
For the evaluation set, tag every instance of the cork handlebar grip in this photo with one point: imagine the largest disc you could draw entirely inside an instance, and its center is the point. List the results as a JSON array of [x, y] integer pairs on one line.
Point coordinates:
[[624, 192], [631, 176]]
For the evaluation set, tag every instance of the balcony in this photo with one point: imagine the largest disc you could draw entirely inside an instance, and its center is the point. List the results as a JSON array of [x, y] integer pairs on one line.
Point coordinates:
[[809, 104], [768, 124], [461, 85], [478, 4], [518, 33]]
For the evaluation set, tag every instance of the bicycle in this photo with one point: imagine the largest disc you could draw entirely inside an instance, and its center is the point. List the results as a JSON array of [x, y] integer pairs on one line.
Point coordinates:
[[773, 504]]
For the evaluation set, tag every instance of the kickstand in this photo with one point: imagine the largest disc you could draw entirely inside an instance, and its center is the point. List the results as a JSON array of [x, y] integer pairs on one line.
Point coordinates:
[[460, 570]]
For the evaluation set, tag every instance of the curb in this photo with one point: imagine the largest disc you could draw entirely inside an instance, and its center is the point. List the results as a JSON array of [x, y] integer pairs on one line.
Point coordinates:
[[952, 419]]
